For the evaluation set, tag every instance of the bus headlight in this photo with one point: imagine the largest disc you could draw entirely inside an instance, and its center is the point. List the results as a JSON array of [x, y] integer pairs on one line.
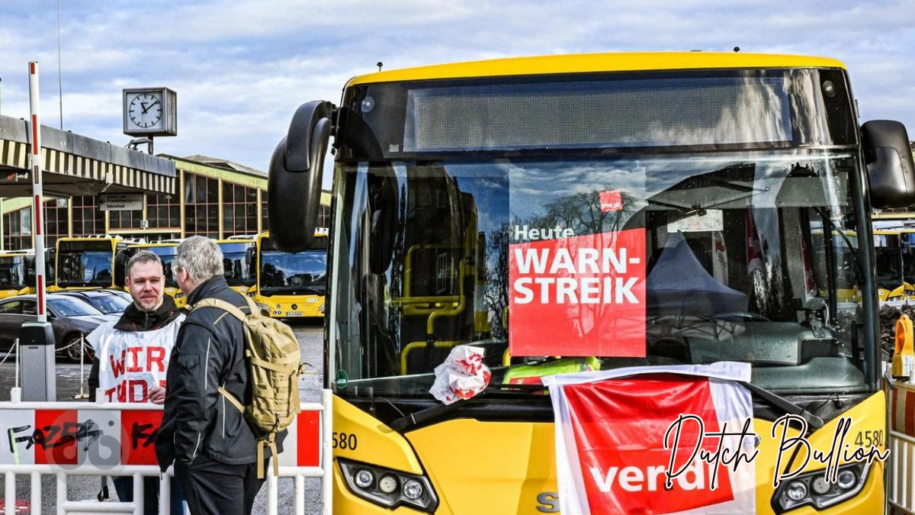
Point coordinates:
[[263, 307], [812, 489], [393, 489]]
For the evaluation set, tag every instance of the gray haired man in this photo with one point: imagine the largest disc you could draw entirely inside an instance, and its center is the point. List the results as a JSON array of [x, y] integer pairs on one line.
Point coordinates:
[[208, 439]]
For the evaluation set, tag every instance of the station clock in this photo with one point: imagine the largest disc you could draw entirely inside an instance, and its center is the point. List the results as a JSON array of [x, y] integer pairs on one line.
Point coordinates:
[[150, 112]]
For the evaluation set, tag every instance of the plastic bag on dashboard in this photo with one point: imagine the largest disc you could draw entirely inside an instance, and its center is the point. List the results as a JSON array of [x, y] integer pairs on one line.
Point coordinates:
[[461, 376]]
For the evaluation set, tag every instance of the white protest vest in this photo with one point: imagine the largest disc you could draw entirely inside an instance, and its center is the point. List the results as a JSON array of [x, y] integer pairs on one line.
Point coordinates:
[[132, 363]]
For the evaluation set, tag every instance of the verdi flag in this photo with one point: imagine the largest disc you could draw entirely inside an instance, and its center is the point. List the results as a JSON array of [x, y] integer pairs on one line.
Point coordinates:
[[612, 428]]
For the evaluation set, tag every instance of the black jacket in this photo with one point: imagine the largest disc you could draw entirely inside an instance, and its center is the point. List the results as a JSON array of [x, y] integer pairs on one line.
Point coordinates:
[[136, 321], [209, 353]]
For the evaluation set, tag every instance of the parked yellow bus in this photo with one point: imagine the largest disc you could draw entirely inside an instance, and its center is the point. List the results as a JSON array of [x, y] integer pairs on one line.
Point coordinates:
[[724, 165], [13, 274], [891, 261], [238, 260], [167, 252], [291, 284], [88, 263]]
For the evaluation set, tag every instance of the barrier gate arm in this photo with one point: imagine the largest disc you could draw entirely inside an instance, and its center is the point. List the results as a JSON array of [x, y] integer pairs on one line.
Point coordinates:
[[11, 412]]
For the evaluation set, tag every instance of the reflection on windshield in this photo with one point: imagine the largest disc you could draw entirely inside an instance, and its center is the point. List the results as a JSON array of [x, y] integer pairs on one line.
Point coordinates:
[[732, 264], [12, 273], [168, 255], [108, 304], [69, 307], [87, 268], [288, 272], [237, 269]]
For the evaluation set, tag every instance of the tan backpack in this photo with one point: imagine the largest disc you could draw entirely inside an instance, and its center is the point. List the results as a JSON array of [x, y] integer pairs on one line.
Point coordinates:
[[274, 364]]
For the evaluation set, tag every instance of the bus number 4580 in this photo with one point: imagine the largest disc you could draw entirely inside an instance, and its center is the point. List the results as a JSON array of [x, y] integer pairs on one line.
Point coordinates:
[[869, 439], [345, 441]]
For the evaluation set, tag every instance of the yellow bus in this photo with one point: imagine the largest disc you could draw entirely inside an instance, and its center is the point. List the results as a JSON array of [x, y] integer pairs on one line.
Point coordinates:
[[13, 274], [291, 284], [722, 167], [238, 260], [167, 252], [891, 261], [88, 263]]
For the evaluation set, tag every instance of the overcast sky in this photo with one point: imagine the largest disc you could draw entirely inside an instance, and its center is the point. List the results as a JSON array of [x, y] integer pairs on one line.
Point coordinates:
[[242, 67]]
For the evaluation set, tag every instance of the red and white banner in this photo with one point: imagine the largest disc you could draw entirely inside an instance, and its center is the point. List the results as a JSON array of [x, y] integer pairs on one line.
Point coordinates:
[[611, 431], [107, 437], [577, 295], [132, 362]]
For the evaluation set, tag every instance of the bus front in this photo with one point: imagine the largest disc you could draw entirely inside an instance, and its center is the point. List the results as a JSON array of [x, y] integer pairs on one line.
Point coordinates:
[[13, 274], [459, 189], [85, 263], [291, 284], [237, 259]]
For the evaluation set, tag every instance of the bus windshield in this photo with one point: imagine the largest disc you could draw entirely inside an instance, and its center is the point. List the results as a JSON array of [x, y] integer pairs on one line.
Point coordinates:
[[168, 256], [735, 266], [300, 273], [236, 260], [88, 263], [13, 273], [889, 265]]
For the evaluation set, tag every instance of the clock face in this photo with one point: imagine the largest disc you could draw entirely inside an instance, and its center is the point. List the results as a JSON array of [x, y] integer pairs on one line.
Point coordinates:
[[144, 110]]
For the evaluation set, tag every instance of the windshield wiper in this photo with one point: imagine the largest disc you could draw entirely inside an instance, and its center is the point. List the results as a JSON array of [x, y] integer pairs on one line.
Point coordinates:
[[304, 290], [438, 411], [785, 405], [423, 416], [73, 283]]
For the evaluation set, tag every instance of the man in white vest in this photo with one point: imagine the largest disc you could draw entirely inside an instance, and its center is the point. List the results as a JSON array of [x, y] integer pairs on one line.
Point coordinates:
[[131, 357]]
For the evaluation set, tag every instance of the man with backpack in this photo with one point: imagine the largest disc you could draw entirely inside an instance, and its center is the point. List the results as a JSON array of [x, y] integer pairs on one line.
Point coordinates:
[[204, 429]]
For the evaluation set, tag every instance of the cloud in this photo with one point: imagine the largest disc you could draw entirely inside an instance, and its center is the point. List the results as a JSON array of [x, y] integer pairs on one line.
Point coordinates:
[[242, 67]]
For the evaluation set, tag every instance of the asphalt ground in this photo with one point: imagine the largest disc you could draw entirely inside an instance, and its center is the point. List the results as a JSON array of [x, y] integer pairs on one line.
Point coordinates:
[[310, 335]]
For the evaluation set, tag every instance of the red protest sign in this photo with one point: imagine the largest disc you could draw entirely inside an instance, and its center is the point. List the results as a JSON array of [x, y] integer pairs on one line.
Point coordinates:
[[578, 295], [611, 201], [620, 427]]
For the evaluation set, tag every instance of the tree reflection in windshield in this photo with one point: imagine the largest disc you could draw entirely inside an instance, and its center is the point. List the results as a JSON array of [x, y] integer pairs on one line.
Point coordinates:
[[733, 252], [90, 267], [12, 272], [286, 271]]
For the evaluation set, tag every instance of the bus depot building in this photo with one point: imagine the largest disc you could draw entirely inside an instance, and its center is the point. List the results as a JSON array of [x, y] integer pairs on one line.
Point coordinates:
[[213, 198]]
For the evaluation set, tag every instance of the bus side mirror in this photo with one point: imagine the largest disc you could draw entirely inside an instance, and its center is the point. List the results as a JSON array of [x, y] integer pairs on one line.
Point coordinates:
[[296, 172], [889, 164]]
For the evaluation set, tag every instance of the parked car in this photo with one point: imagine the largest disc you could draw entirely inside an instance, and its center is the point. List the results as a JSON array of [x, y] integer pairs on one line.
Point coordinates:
[[70, 318], [120, 293], [109, 303]]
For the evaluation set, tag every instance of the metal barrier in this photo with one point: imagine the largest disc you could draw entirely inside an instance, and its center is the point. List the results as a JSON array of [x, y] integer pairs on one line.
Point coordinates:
[[900, 484], [70, 438]]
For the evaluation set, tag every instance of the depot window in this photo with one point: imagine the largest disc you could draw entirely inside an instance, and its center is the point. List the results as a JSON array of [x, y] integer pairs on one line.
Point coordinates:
[[163, 211], [201, 206], [239, 209], [87, 217]]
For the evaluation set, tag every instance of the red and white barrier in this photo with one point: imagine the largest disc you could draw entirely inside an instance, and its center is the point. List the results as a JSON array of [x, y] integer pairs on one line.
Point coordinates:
[[108, 439]]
